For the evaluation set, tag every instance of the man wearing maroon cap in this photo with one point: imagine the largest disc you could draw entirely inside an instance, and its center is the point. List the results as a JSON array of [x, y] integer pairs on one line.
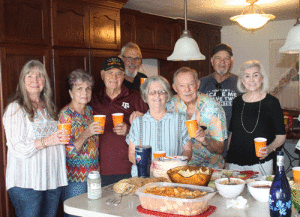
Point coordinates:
[[221, 85], [115, 98]]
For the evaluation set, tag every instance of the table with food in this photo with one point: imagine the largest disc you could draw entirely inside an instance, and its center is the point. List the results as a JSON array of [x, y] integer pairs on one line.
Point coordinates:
[[177, 189]]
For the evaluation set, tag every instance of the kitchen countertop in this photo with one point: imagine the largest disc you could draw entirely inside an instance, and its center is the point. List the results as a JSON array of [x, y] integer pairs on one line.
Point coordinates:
[[82, 206]]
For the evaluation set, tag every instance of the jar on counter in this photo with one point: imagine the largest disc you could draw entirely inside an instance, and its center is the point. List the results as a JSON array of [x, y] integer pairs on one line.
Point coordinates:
[[94, 185]]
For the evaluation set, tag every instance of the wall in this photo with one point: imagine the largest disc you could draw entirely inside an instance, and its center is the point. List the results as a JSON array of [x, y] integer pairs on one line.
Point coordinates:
[[254, 45]]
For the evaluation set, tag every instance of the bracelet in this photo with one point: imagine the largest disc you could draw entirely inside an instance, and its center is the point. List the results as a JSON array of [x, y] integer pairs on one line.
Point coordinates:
[[43, 142]]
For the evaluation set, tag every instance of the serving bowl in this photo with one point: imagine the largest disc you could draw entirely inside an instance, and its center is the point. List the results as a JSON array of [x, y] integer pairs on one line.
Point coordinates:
[[230, 191], [259, 192], [201, 178], [174, 205]]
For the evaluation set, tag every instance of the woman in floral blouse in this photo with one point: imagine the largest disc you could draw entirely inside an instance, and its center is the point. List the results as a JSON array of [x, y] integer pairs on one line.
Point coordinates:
[[82, 151]]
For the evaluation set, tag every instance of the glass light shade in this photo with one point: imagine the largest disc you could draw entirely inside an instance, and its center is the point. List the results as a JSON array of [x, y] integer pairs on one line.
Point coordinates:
[[292, 43], [252, 21], [186, 48]]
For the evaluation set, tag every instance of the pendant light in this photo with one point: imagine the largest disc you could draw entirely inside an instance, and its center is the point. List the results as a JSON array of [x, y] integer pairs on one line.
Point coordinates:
[[186, 48], [292, 44], [252, 16]]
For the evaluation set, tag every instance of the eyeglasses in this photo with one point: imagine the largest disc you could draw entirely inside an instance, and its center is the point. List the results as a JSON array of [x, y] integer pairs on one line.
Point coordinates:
[[219, 87], [130, 59], [159, 92]]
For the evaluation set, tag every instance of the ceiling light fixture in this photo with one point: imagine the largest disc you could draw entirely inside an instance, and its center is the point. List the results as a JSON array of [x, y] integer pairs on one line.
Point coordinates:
[[252, 16], [186, 48]]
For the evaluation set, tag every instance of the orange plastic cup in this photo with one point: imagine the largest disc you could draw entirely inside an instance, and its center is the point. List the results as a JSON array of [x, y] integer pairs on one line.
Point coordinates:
[[159, 154], [259, 142], [143, 80], [191, 127], [296, 174], [117, 118], [101, 119], [66, 127]]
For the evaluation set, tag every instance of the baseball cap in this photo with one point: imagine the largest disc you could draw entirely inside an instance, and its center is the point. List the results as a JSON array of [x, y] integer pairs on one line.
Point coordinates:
[[221, 47], [113, 62]]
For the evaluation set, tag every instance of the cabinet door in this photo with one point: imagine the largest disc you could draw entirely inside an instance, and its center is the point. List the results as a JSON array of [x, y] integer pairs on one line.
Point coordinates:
[[70, 24], [105, 28], [164, 36], [145, 32], [25, 22], [65, 61], [127, 28]]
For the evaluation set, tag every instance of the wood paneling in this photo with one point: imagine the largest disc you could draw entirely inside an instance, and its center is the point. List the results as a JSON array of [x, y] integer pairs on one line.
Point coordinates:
[[164, 35], [65, 62], [128, 25], [145, 33], [26, 22], [70, 24], [105, 28]]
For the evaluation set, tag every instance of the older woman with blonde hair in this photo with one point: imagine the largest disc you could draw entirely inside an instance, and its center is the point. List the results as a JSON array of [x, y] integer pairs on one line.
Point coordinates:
[[254, 114], [162, 130], [36, 162]]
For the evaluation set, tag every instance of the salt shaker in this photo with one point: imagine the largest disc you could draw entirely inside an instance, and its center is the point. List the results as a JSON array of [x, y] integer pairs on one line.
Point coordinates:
[[94, 185]]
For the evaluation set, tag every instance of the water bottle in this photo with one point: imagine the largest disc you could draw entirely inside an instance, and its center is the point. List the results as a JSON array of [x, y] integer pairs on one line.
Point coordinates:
[[94, 185], [280, 199]]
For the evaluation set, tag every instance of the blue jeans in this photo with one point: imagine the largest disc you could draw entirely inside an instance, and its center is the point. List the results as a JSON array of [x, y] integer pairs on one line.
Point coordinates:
[[73, 189], [111, 179], [32, 203]]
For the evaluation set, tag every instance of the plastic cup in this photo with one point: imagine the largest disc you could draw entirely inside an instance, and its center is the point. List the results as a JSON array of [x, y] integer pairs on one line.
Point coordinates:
[[259, 142], [143, 80], [158, 154], [143, 160], [66, 127], [191, 127], [101, 120], [117, 118], [296, 174]]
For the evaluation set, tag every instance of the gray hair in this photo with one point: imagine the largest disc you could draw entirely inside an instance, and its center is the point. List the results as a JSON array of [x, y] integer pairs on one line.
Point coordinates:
[[79, 76], [132, 46], [164, 82], [185, 70], [21, 95], [250, 64]]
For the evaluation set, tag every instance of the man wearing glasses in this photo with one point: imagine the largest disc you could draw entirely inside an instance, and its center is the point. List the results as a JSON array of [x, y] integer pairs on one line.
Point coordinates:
[[132, 57], [221, 85]]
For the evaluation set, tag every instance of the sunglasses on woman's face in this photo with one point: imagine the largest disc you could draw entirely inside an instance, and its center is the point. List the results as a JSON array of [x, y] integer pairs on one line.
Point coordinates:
[[219, 87]]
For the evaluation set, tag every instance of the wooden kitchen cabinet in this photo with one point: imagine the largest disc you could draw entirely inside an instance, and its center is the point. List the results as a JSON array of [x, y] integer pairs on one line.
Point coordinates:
[[25, 22]]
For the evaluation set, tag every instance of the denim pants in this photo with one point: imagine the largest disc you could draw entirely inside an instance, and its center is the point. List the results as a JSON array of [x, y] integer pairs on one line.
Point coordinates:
[[73, 189], [32, 203]]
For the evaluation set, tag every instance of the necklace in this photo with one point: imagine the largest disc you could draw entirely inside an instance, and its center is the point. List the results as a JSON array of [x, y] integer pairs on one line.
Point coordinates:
[[256, 120]]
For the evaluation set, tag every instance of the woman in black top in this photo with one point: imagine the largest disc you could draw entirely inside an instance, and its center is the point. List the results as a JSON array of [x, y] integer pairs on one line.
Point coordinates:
[[254, 114]]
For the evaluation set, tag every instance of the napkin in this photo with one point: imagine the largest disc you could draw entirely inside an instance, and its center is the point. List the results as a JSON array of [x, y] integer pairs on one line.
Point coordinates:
[[239, 203]]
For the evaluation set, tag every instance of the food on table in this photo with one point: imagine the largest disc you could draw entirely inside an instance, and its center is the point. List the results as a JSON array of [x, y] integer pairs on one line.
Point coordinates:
[[269, 178], [189, 173], [201, 177], [132, 184], [235, 181], [261, 186], [160, 166], [178, 192]]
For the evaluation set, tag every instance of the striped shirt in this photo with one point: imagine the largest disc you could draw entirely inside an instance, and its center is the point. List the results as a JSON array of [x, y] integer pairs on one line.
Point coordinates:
[[80, 163], [28, 167], [168, 134]]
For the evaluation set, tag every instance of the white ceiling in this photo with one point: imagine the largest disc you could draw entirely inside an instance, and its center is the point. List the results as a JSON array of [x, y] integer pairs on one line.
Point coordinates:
[[215, 12]]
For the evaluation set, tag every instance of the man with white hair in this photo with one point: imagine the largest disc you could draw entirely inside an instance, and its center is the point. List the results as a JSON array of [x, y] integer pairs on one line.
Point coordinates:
[[221, 85], [132, 57]]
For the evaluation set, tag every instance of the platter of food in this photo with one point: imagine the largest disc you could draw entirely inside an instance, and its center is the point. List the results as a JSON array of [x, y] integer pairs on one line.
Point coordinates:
[[174, 198], [221, 173]]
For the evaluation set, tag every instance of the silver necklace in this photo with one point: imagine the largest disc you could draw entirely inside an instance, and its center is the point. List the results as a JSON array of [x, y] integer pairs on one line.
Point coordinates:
[[256, 120]]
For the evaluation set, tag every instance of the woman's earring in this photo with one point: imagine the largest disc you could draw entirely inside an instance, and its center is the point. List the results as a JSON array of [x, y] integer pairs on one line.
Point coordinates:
[[71, 97]]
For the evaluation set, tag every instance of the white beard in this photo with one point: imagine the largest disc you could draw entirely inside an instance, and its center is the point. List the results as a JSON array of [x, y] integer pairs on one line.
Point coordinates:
[[221, 72], [131, 75]]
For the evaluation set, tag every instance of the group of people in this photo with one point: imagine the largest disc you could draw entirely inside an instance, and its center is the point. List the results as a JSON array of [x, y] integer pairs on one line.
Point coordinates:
[[44, 163]]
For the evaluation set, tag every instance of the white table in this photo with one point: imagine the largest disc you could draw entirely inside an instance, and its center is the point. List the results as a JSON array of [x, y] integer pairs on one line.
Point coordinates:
[[82, 206]]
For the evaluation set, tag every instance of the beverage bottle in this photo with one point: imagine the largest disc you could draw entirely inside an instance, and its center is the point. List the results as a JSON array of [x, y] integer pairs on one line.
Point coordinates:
[[280, 200], [94, 185]]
